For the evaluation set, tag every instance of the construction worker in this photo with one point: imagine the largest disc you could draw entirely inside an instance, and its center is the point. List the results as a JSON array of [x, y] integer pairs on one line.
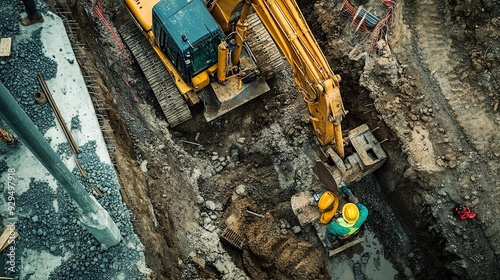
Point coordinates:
[[8, 138], [33, 15], [353, 215]]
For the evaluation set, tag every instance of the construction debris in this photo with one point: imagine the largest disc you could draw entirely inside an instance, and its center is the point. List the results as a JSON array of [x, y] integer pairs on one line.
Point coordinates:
[[366, 21], [8, 138], [363, 20], [345, 246], [232, 237], [255, 214]]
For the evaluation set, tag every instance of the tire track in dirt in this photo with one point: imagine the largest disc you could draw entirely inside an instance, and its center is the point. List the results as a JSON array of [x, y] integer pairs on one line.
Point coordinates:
[[449, 73], [432, 48], [469, 122]]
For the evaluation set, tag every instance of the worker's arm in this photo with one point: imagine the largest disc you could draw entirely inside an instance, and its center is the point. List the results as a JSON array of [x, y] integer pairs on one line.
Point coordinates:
[[363, 214], [334, 229]]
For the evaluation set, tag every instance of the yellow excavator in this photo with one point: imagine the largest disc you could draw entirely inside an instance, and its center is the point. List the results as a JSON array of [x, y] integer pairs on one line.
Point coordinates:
[[222, 52]]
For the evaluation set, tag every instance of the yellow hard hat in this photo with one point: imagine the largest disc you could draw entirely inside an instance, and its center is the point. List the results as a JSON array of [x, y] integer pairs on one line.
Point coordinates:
[[350, 213], [327, 202], [326, 217]]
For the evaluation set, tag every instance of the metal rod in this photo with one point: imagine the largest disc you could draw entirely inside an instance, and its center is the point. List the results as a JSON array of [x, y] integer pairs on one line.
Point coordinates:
[[59, 117], [255, 214], [96, 189], [84, 174], [189, 142]]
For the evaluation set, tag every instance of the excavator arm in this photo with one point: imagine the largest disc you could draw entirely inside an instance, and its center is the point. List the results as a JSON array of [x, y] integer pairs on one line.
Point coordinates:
[[316, 82], [184, 35], [311, 71]]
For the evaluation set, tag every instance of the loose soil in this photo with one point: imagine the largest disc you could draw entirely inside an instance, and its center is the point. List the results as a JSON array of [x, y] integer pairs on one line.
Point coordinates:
[[431, 89]]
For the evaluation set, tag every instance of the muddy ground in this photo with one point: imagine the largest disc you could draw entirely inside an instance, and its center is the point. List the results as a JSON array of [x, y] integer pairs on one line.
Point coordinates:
[[432, 90]]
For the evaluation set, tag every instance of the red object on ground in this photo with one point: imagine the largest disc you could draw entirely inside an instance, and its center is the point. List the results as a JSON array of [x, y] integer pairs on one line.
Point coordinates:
[[464, 212]]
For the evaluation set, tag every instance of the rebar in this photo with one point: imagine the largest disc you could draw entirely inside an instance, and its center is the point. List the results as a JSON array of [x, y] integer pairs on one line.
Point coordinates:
[[59, 117]]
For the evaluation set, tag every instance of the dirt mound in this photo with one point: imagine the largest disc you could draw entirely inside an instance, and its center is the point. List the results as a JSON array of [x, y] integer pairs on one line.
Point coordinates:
[[272, 250]]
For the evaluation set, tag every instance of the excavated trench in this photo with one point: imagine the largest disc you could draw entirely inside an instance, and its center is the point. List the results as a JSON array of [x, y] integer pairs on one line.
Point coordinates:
[[265, 147], [161, 266]]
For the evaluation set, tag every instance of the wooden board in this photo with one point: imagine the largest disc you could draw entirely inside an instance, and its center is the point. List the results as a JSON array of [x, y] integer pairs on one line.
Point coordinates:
[[345, 246], [5, 238], [5, 46]]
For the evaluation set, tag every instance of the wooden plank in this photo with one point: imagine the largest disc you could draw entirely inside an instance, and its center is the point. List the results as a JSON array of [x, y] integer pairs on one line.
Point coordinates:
[[345, 246], [4, 238], [5, 46]]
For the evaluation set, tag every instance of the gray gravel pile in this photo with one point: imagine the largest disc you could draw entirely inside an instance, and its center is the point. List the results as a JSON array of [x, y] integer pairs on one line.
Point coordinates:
[[3, 166], [18, 72], [64, 150], [10, 16]]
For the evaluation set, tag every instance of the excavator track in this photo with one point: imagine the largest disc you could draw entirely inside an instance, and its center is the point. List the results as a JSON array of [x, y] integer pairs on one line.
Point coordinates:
[[264, 49], [171, 100]]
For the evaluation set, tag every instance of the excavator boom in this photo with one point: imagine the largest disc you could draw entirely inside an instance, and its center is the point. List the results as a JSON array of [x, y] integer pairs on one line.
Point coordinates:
[[220, 53], [314, 77], [310, 69], [317, 83]]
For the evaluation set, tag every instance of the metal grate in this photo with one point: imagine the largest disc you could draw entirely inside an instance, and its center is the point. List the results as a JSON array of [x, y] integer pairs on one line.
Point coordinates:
[[232, 237]]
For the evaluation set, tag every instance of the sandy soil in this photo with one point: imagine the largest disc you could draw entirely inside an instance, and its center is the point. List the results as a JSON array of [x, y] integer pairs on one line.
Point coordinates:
[[432, 90]]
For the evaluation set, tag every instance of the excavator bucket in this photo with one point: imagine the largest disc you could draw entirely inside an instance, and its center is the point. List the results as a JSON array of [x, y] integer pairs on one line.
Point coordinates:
[[368, 156], [260, 60]]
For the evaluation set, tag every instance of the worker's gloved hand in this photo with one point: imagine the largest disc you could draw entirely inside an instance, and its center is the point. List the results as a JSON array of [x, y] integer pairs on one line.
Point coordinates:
[[346, 191]]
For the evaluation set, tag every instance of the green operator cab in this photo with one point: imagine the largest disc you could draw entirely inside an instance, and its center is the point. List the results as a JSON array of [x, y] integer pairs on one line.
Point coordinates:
[[208, 62], [188, 34]]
